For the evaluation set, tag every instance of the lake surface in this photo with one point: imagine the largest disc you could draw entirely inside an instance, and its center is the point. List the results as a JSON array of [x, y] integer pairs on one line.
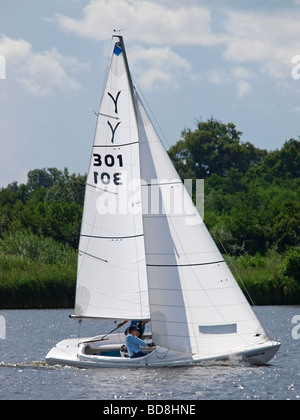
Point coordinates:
[[24, 375]]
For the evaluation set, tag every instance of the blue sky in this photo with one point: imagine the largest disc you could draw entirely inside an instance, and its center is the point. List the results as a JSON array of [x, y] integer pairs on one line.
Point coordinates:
[[192, 59]]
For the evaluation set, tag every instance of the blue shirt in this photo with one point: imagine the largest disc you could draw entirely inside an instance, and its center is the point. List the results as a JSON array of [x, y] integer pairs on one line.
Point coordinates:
[[133, 344]]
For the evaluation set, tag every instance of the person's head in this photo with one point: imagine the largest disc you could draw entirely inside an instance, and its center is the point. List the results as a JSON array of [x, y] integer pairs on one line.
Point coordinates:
[[133, 330]]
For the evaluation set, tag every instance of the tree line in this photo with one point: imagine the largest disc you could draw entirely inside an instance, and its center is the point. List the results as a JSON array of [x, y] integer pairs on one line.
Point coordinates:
[[49, 205], [251, 195], [252, 210]]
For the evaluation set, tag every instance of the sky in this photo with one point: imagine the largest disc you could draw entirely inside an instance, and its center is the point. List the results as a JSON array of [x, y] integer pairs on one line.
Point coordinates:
[[235, 60]]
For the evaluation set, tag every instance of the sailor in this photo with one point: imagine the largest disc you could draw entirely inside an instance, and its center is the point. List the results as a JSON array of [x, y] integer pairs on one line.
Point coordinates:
[[139, 324], [134, 343]]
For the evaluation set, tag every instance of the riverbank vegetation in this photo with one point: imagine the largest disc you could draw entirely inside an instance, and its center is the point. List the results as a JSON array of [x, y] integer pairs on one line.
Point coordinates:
[[252, 209], [39, 233], [36, 272]]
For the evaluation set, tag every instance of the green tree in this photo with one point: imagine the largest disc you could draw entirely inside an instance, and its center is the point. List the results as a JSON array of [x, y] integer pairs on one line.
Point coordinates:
[[49, 205], [280, 164], [213, 148], [67, 188], [43, 178], [291, 264]]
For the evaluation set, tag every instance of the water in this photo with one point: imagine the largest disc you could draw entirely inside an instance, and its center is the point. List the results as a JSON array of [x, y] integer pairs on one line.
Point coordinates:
[[24, 375]]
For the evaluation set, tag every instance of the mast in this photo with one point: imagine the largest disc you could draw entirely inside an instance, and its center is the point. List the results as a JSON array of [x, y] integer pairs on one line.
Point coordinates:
[[122, 45]]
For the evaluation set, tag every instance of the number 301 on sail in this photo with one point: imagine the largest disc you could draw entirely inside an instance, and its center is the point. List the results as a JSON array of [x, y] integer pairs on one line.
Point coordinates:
[[108, 161]]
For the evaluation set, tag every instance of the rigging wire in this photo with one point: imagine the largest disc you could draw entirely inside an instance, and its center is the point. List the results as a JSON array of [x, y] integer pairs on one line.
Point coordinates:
[[153, 117]]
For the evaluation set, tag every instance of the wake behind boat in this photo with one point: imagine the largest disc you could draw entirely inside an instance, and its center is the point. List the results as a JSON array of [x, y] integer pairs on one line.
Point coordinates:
[[145, 253]]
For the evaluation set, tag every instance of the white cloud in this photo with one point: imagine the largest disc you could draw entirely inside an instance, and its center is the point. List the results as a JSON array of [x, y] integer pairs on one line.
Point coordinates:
[[239, 76], [143, 21], [14, 51], [157, 66], [269, 40], [242, 73], [163, 26], [242, 76], [40, 73], [243, 87]]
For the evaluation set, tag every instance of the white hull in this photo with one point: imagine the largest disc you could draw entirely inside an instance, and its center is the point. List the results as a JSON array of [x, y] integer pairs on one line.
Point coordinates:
[[74, 352]]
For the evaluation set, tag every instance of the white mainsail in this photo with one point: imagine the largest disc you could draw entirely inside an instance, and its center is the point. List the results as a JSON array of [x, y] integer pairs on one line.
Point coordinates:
[[111, 278], [196, 304]]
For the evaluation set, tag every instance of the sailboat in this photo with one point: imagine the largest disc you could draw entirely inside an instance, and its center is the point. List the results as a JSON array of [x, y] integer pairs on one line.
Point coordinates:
[[145, 253]]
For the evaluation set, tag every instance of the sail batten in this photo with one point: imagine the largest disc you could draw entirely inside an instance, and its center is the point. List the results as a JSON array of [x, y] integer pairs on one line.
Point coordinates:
[[184, 265], [114, 146], [113, 237]]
